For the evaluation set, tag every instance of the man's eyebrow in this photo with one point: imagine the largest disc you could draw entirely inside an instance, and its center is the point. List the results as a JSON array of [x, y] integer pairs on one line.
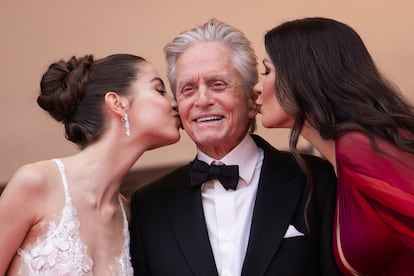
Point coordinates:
[[219, 75], [214, 76], [186, 81]]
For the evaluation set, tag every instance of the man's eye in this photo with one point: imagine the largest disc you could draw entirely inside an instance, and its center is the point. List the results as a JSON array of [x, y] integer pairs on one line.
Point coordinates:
[[218, 85], [265, 73], [187, 89]]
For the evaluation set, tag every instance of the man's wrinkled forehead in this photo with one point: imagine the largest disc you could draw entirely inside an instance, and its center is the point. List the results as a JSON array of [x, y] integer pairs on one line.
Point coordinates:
[[206, 77]]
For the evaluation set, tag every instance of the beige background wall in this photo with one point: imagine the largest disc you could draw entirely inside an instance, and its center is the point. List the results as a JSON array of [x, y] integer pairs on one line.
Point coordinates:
[[36, 33]]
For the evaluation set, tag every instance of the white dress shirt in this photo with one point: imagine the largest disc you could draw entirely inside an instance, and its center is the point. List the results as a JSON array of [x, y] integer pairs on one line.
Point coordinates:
[[228, 213]]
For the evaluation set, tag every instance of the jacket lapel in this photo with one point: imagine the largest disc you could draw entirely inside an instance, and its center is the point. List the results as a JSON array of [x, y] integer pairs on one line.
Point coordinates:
[[280, 188], [187, 220]]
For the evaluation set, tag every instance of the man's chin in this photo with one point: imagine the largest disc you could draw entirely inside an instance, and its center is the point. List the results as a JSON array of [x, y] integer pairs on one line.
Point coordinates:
[[209, 139]]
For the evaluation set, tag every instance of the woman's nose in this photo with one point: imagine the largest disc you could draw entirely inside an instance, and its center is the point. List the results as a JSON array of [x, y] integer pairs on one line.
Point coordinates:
[[258, 88], [173, 103]]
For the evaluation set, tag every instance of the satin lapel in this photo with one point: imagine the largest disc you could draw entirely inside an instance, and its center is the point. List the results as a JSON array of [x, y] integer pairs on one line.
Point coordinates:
[[187, 219], [280, 188]]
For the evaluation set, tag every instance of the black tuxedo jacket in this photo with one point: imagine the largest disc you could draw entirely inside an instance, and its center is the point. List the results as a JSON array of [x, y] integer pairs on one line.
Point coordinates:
[[169, 234]]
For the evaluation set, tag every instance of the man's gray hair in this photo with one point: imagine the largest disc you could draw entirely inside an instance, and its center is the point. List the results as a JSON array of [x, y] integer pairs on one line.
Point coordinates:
[[244, 57]]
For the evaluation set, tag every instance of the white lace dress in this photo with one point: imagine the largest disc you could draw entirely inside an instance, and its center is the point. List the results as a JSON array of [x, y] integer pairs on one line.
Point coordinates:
[[61, 251]]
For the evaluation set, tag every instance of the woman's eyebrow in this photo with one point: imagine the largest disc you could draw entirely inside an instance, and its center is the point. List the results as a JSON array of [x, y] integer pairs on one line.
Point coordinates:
[[157, 79]]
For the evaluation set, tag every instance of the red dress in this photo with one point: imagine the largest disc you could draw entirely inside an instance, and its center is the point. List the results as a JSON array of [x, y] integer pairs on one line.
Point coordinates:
[[374, 230]]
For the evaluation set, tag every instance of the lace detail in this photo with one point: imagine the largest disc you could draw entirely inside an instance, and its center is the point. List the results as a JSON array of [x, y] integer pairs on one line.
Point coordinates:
[[61, 251]]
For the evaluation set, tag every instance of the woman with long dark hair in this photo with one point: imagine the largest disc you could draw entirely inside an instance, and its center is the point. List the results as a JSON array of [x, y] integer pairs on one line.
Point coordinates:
[[321, 82]]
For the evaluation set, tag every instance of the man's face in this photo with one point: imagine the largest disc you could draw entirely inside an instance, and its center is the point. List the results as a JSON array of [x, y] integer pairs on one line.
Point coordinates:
[[214, 108]]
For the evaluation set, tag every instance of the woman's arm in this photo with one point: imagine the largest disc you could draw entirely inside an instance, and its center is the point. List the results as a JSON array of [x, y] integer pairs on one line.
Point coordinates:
[[19, 210]]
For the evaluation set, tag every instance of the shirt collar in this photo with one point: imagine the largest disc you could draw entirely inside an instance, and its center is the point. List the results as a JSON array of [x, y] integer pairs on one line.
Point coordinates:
[[245, 154]]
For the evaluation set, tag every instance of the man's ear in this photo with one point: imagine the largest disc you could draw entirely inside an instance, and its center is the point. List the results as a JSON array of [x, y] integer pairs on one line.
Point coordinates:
[[116, 103]]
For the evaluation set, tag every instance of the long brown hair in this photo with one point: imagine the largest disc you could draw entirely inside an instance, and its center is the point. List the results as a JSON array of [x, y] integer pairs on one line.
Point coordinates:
[[325, 76]]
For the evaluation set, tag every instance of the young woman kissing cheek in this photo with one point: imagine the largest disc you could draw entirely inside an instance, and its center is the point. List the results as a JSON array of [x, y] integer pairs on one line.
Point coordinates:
[[152, 112], [273, 114]]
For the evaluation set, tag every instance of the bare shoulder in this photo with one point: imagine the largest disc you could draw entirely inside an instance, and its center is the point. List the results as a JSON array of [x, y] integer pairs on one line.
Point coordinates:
[[32, 178], [32, 175], [22, 207]]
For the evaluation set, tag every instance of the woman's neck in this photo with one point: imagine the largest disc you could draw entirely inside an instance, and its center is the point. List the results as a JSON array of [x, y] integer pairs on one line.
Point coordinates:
[[102, 167], [324, 146]]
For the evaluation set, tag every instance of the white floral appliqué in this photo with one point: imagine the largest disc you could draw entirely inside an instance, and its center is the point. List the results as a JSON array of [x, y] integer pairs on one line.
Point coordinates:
[[61, 251]]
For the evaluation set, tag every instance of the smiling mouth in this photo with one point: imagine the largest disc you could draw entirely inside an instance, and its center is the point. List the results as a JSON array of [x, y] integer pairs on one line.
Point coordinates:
[[209, 119]]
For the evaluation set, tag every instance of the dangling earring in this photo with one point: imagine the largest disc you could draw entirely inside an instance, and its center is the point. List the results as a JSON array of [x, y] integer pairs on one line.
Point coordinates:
[[126, 121]]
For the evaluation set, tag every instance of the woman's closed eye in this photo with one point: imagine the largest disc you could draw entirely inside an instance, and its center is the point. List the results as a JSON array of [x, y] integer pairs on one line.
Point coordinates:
[[159, 86], [162, 91], [267, 67]]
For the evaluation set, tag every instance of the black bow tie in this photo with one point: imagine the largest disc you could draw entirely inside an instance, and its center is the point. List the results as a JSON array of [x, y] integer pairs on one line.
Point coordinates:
[[201, 172]]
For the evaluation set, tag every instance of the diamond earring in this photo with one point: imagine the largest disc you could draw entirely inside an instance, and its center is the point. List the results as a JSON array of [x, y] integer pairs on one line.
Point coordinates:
[[126, 121]]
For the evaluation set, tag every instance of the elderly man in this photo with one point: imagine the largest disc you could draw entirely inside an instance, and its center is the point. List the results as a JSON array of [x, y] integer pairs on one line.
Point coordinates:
[[241, 207]]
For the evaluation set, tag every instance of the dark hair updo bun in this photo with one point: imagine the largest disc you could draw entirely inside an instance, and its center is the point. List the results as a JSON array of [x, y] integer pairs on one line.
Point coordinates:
[[62, 86], [73, 92]]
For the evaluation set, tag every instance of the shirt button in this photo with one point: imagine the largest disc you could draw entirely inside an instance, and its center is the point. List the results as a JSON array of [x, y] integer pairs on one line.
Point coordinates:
[[226, 273]]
